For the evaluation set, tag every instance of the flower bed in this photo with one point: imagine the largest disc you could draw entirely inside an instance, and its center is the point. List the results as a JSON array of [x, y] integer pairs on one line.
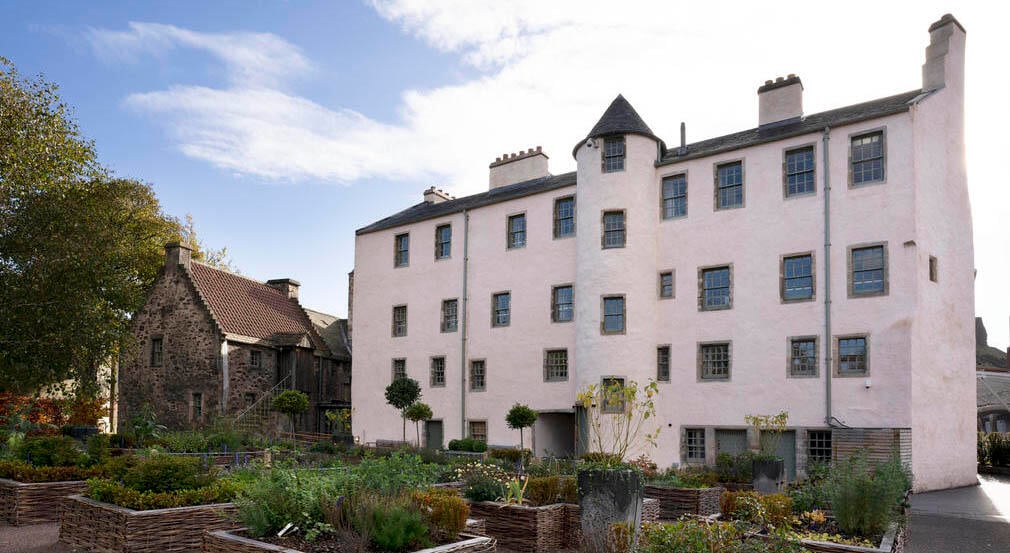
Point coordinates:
[[893, 541], [221, 541], [104, 528], [675, 502], [34, 502]]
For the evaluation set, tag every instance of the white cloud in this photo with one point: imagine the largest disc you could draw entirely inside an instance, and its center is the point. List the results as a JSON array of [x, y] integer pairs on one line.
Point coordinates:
[[546, 72]]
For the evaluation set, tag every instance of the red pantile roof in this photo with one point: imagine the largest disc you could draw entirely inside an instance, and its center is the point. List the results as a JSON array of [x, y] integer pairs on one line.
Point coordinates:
[[245, 306]]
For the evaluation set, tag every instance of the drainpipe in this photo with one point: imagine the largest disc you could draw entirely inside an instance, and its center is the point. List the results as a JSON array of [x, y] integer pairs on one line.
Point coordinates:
[[463, 323], [225, 377], [828, 418]]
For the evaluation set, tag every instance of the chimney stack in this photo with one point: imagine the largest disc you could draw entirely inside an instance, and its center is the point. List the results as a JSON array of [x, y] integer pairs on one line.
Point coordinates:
[[518, 167], [287, 285], [780, 100], [945, 55], [436, 195], [177, 253]]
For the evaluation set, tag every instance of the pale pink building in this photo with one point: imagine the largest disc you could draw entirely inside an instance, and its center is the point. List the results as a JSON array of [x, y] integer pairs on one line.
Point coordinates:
[[708, 267]]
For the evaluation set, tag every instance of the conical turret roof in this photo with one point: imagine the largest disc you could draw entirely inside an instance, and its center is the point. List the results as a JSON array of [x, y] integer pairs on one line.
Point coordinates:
[[619, 118]]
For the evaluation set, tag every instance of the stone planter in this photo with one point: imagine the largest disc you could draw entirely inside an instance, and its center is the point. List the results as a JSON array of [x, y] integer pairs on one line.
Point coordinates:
[[522, 528], [222, 541], [769, 475], [98, 527], [34, 502], [572, 526], [674, 502], [606, 497]]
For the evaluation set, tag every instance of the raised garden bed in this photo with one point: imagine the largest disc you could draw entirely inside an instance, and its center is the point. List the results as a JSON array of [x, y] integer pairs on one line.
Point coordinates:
[[674, 502], [893, 541], [223, 541], [522, 528], [99, 527], [34, 502]]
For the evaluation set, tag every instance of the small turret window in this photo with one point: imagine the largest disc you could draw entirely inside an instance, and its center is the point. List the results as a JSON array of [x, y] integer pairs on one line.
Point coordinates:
[[613, 154]]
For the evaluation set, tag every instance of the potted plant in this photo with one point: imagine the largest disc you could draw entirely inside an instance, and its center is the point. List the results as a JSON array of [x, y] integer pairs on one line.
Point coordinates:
[[768, 467], [611, 491]]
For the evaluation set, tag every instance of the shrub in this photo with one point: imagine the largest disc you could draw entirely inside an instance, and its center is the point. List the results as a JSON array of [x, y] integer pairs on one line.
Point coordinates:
[[468, 444], [49, 451], [324, 446], [547, 490], [166, 473], [109, 491], [124, 441], [97, 449], [397, 528], [864, 500], [23, 472], [811, 494], [997, 448], [396, 473], [735, 468], [511, 455], [185, 441], [646, 465], [774, 509], [307, 499], [482, 482], [599, 458], [982, 449], [444, 511], [686, 477]]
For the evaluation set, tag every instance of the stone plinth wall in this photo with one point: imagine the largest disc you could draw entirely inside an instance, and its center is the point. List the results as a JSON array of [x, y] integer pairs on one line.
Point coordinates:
[[34, 502], [99, 527]]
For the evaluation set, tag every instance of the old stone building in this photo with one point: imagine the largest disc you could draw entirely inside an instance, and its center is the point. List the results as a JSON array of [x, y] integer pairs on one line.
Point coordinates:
[[211, 343]]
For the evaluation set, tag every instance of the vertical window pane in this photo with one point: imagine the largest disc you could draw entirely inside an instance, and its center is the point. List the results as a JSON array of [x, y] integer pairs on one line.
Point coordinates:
[[450, 317], [477, 375], [803, 357], [478, 430], [666, 285], [867, 152], [399, 368], [868, 270], [715, 362], [716, 288], [613, 314], [819, 448], [402, 250], [197, 406], [517, 231], [400, 320], [501, 309], [729, 181], [663, 363], [613, 229], [438, 371], [674, 196], [800, 171], [562, 307], [852, 356], [798, 277], [695, 441], [156, 351], [443, 241], [564, 217], [556, 365], [613, 154]]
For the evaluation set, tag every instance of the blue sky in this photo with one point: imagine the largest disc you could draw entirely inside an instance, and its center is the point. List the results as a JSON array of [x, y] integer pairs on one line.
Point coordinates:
[[283, 126]]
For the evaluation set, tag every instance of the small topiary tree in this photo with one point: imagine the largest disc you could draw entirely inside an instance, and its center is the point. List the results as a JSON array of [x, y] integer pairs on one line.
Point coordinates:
[[291, 403], [520, 416], [418, 412], [402, 393]]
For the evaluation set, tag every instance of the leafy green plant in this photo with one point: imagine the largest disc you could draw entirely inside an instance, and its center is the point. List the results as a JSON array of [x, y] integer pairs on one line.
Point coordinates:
[[310, 500], [865, 498], [617, 415], [185, 441], [997, 449], [144, 426], [401, 394], [49, 451], [109, 491], [166, 473], [519, 417], [291, 403], [693, 536], [397, 528], [482, 482], [23, 472], [444, 511], [511, 455], [547, 490], [468, 444], [770, 429], [97, 449], [418, 412], [515, 491], [396, 473], [735, 468]]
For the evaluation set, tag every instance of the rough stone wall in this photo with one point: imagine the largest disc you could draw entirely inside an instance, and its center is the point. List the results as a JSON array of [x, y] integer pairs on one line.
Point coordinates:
[[191, 350], [245, 379]]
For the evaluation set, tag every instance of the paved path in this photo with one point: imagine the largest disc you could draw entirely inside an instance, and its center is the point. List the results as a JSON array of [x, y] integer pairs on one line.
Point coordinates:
[[975, 519], [37, 538]]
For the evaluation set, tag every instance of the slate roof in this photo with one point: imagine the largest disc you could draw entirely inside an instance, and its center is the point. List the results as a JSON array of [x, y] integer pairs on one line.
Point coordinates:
[[424, 210], [333, 331], [247, 307], [620, 118], [811, 123]]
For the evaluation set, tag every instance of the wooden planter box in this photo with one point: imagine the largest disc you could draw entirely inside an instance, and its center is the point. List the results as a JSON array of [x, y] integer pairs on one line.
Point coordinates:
[[222, 541], [675, 502], [34, 502], [99, 527], [572, 526], [892, 542], [522, 528]]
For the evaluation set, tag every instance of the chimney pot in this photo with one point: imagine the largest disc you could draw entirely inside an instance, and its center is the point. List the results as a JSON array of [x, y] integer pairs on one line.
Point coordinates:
[[779, 79], [436, 195], [768, 82]]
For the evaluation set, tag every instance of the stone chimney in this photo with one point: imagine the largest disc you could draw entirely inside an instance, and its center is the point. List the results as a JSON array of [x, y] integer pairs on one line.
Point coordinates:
[[177, 253], [518, 167], [780, 100], [945, 55], [287, 285], [436, 195]]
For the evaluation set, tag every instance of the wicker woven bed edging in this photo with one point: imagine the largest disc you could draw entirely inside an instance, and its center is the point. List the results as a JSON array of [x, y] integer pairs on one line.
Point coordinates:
[[223, 541], [522, 528], [34, 502], [675, 502], [99, 527]]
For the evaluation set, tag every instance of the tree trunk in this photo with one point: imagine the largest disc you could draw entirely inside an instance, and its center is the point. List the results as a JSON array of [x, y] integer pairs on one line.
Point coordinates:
[[417, 431], [404, 427], [520, 438]]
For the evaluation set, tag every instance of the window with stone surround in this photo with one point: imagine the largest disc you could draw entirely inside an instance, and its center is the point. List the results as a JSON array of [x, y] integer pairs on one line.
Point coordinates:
[[798, 171], [666, 284], [501, 309], [613, 315], [516, 231], [694, 441], [674, 196], [564, 217], [714, 361], [562, 303], [478, 375], [255, 358], [401, 250], [866, 156], [852, 355], [438, 372], [729, 185], [819, 448], [399, 321], [477, 430], [443, 241], [613, 229], [663, 363], [868, 270], [399, 368], [613, 154], [803, 356], [555, 365], [716, 285], [797, 278], [196, 406], [934, 273], [157, 351], [450, 315]]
